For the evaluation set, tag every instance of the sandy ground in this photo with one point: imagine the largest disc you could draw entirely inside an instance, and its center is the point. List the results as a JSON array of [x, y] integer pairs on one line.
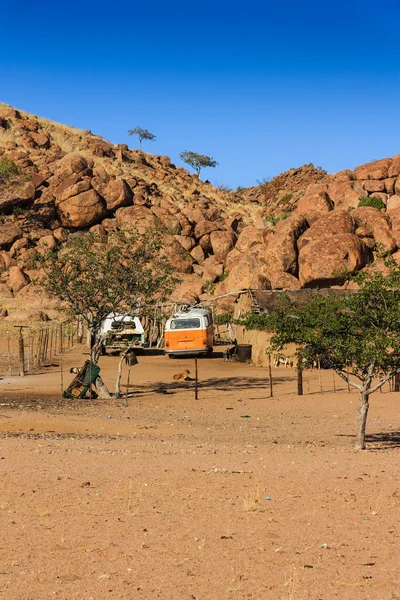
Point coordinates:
[[233, 496]]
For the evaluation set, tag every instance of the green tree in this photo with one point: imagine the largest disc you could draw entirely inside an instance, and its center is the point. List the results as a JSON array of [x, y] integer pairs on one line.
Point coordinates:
[[127, 273], [356, 334], [143, 134], [197, 161]]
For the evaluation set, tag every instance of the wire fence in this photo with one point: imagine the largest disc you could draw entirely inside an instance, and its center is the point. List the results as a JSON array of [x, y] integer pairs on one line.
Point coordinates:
[[26, 350]]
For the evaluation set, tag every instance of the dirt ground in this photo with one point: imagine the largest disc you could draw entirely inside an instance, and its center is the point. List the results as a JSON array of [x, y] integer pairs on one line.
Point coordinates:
[[233, 496]]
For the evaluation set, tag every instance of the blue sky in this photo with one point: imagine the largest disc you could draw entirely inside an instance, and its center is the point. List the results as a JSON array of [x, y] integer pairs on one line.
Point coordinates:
[[259, 86]]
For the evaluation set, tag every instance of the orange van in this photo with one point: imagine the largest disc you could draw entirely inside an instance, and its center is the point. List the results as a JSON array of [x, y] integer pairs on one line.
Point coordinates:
[[189, 332]]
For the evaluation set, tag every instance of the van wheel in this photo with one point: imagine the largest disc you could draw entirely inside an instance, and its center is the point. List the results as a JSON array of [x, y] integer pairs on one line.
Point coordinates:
[[209, 352], [103, 350], [171, 355]]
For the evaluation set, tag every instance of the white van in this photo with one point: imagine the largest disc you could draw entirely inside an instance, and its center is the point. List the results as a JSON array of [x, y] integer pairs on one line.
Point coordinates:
[[120, 331]]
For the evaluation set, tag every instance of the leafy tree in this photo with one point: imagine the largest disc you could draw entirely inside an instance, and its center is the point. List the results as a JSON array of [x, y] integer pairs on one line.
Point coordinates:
[[197, 161], [126, 273], [356, 334], [143, 134]]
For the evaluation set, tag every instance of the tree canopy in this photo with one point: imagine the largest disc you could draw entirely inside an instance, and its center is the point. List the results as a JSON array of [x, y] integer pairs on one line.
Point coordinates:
[[126, 273], [356, 334], [143, 134], [197, 161]]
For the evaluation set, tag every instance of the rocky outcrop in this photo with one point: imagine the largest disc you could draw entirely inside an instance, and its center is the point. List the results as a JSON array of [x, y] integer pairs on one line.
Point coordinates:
[[301, 229]]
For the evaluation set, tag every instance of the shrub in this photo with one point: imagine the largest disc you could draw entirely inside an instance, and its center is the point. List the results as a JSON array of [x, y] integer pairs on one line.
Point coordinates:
[[223, 318], [8, 169], [373, 201], [273, 220], [286, 199]]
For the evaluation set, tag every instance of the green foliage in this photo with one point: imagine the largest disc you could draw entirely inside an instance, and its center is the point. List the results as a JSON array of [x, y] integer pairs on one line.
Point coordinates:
[[8, 169], [197, 161], [356, 334], [209, 287], [373, 201], [350, 208], [223, 318], [17, 211], [143, 134], [223, 276], [94, 279], [273, 220]]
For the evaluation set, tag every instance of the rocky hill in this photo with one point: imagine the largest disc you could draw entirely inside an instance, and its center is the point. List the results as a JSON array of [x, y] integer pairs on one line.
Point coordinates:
[[298, 230]]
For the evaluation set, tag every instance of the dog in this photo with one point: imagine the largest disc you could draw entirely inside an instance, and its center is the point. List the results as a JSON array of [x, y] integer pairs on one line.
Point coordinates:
[[182, 376]]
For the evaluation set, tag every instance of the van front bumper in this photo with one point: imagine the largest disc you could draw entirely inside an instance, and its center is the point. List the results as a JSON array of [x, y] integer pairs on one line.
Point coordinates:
[[187, 352]]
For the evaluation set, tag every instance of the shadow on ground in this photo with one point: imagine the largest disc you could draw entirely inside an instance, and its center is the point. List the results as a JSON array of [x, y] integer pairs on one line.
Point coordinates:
[[225, 384], [381, 440]]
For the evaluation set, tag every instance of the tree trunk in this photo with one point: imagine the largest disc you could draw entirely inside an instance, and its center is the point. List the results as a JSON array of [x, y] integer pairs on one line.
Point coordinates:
[[101, 388], [362, 420], [95, 352]]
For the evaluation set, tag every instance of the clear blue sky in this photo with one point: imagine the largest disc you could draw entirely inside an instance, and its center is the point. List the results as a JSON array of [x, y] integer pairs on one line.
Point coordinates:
[[260, 86]]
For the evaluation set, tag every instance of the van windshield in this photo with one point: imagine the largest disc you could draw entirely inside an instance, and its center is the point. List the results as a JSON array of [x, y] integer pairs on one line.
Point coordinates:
[[185, 324]]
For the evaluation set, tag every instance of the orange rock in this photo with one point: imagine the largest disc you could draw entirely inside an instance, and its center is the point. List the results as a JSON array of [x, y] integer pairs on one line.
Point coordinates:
[[9, 233], [212, 268], [185, 241], [282, 248], [204, 227], [18, 279], [324, 258], [334, 223], [377, 169], [70, 164], [197, 254], [82, 210], [221, 244], [315, 202], [248, 238], [377, 222], [116, 192], [284, 281], [394, 168]]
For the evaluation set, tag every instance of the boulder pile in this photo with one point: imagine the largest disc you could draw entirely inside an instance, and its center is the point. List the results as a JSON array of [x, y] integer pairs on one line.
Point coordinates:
[[218, 241]]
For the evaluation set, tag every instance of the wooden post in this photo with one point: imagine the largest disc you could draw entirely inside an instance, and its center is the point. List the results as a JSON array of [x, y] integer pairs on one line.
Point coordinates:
[[196, 381], [80, 331], [46, 344], [90, 374], [127, 384], [28, 352], [51, 342], [397, 382], [33, 351], [319, 376], [60, 331], [39, 348], [21, 350], [9, 357], [334, 384], [299, 377], [62, 378], [271, 391]]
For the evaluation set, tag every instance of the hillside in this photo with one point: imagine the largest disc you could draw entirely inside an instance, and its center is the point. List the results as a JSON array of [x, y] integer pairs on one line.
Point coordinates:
[[298, 230]]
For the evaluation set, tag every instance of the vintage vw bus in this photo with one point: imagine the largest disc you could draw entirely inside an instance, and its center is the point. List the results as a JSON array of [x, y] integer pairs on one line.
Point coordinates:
[[189, 332]]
